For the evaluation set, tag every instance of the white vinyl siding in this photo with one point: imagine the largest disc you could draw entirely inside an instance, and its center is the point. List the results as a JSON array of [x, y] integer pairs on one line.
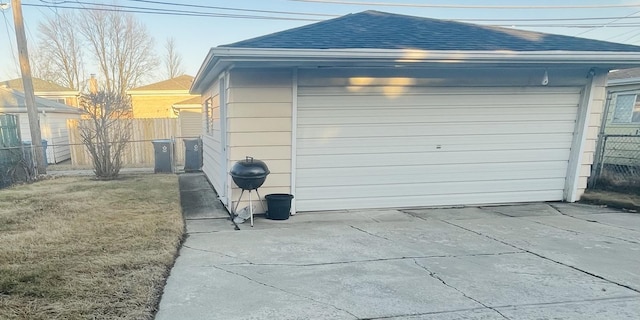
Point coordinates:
[[212, 152], [394, 142], [190, 123], [259, 122], [53, 128]]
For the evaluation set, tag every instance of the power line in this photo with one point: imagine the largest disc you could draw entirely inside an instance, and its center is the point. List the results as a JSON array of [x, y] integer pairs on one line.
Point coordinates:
[[609, 23], [235, 9], [13, 52], [455, 6], [116, 8]]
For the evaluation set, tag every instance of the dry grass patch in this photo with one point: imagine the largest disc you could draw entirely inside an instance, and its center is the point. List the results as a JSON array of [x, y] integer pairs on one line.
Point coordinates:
[[612, 199], [75, 248]]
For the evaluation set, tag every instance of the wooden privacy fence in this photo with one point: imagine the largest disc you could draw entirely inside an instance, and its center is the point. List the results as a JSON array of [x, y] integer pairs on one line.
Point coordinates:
[[139, 151]]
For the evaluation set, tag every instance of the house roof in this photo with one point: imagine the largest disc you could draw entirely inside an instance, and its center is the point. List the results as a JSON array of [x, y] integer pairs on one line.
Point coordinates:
[[195, 100], [379, 39], [381, 30], [631, 73], [13, 101], [182, 82], [38, 85]]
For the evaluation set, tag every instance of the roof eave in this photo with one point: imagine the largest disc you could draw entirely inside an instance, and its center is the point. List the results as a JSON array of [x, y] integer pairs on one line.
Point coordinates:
[[622, 82], [158, 92], [217, 57]]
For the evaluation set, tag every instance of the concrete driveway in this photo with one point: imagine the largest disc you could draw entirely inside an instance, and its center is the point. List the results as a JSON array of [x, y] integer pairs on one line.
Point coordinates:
[[531, 261]]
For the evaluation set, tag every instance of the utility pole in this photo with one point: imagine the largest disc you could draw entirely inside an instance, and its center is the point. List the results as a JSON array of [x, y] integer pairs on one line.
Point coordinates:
[[27, 83]]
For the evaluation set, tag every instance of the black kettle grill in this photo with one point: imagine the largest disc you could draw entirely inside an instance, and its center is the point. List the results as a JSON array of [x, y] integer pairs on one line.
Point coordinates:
[[249, 174]]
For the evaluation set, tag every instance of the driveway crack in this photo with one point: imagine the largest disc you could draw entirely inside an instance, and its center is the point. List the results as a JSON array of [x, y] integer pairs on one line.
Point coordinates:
[[544, 257], [286, 291], [217, 252], [580, 232], [589, 220], [435, 276], [369, 233], [368, 260]]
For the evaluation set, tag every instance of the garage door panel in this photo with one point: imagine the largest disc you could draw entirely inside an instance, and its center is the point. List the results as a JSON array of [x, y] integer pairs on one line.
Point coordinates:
[[424, 111], [433, 129], [416, 189], [409, 178], [399, 99], [428, 200], [367, 89], [433, 119], [431, 148], [341, 173], [384, 159], [443, 140], [370, 147]]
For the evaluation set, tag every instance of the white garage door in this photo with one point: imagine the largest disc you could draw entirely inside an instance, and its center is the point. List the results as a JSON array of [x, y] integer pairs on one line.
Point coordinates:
[[373, 148]]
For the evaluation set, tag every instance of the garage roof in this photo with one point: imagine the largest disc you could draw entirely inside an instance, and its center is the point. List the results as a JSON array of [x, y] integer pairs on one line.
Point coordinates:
[[382, 30]]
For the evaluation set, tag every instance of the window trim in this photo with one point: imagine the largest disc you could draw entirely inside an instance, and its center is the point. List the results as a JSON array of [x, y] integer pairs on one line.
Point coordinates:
[[636, 106]]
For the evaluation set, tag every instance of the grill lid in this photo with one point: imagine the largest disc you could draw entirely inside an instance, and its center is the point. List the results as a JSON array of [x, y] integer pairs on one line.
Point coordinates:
[[249, 168]]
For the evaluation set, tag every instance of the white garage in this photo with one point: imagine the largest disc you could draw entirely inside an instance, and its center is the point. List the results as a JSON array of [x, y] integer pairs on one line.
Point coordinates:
[[432, 146], [382, 110]]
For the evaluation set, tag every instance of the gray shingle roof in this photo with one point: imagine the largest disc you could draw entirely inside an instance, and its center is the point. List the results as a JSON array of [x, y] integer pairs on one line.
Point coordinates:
[[14, 101], [381, 30]]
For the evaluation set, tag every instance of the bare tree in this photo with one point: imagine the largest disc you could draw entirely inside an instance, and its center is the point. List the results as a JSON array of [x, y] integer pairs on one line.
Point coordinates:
[[172, 60], [59, 55], [106, 132], [121, 46]]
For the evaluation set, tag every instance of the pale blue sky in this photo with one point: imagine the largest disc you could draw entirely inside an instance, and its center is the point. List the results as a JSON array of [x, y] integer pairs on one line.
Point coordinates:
[[195, 35]]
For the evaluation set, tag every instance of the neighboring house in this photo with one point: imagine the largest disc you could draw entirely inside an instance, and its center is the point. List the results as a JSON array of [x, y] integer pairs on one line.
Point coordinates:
[[155, 100], [374, 110], [623, 114], [621, 117], [190, 116], [47, 90], [53, 118]]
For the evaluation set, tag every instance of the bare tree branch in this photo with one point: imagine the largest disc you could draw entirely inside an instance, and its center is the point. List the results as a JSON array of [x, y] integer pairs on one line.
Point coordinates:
[[106, 131], [172, 60], [121, 46], [59, 55]]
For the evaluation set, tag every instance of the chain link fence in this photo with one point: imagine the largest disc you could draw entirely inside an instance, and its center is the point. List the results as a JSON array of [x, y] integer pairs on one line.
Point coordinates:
[[617, 164]]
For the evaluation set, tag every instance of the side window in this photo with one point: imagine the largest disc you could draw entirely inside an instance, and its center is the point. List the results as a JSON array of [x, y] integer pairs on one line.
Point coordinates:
[[209, 118], [627, 109]]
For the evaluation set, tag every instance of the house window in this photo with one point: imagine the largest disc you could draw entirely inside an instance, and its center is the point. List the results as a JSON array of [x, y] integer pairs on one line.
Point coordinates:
[[209, 118], [627, 109]]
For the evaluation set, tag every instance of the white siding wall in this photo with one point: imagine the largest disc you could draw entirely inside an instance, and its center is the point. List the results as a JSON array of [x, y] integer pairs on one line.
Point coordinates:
[[190, 123], [259, 122], [211, 147], [53, 128], [595, 120]]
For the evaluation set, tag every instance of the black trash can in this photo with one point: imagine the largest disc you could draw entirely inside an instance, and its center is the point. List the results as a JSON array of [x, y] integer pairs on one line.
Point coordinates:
[[163, 151], [278, 206], [193, 155]]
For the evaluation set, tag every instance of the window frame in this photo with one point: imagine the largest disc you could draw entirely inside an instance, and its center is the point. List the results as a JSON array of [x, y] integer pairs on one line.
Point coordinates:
[[635, 111]]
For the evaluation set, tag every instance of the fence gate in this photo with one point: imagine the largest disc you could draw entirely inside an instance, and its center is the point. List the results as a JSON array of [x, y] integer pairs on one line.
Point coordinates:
[[617, 163], [14, 157]]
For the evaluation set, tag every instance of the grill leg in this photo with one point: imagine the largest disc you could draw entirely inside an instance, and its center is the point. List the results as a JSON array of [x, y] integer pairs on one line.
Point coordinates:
[[235, 211], [250, 208], [261, 201]]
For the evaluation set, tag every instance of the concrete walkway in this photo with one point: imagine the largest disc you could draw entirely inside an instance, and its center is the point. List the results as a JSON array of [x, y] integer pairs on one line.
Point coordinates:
[[532, 261]]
